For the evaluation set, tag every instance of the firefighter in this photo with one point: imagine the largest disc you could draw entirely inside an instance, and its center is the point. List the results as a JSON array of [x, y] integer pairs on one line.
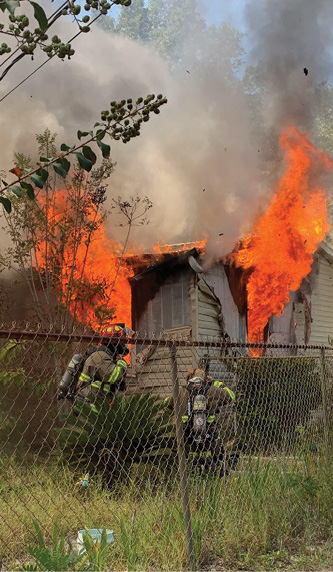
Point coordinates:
[[104, 370], [218, 396]]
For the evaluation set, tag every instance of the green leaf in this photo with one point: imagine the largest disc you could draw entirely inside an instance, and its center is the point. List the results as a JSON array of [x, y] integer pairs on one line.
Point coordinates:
[[16, 189], [85, 163], [64, 147], [43, 174], [100, 134], [39, 15], [6, 203], [106, 149], [40, 178], [3, 6], [46, 159], [11, 5], [59, 169], [101, 124], [83, 134], [89, 154], [38, 181], [65, 164], [29, 189]]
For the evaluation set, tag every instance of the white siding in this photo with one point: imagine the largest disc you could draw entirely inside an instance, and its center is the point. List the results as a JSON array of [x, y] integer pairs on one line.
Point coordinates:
[[322, 303], [235, 325], [300, 322], [206, 316], [280, 327], [169, 308], [154, 364], [314, 297]]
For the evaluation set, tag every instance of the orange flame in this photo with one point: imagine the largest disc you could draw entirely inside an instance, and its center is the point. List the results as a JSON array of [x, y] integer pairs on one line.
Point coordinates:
[[200, 244], [101, 282], [281, 245], [98, 272]]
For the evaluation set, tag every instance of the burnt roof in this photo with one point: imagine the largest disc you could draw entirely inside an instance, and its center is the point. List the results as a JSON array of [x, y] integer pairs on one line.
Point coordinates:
[[162, 261]]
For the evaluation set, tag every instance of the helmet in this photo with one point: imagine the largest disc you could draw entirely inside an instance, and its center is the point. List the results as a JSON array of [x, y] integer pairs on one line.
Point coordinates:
[[113, 330], [196, 380]]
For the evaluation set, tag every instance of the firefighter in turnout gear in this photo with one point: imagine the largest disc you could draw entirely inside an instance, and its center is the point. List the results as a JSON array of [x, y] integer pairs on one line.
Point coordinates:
[[202, 404], [104, 370], [218, 395]]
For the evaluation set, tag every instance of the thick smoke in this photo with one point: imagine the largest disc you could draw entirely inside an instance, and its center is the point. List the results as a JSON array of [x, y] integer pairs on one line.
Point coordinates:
[[195, 161], [290, 40]]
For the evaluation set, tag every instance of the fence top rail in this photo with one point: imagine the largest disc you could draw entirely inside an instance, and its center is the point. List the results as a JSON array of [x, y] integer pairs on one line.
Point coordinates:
[[162, 341]]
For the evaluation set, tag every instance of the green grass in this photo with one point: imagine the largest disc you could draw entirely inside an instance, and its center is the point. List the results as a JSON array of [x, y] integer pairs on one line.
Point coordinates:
[[269, 514]]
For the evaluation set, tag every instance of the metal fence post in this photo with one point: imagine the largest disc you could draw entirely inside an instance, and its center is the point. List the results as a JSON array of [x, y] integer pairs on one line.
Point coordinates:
[[181, 458], [323, 381]]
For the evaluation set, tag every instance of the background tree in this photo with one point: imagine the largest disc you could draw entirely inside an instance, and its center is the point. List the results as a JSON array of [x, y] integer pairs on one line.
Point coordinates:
[[178, 33], [52, 239]]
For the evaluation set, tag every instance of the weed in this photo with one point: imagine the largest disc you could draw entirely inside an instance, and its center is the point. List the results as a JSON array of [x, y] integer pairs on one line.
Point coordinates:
[[263, 515], [129, 541], [56, 558]]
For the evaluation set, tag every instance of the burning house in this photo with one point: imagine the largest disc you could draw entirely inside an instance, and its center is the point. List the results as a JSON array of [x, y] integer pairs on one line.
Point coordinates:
[[175, 297], [276, 286]]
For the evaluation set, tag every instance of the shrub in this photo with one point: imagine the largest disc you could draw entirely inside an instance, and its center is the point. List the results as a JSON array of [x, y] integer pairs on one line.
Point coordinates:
[[134, 429], [274, 396]]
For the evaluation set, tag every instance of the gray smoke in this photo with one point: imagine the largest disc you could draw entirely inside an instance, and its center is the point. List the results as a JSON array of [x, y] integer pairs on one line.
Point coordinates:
[[195, 161], [291, 41]]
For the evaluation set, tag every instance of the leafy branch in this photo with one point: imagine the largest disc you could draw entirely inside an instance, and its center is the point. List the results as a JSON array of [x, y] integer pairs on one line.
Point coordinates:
[[28, 38], [122, 122]]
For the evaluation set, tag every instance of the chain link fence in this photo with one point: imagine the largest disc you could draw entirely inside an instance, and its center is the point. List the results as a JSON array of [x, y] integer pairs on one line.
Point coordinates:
[[253, 479]]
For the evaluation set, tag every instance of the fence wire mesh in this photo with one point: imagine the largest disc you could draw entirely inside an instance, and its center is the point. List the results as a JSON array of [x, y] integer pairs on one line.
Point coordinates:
[[173, 481]]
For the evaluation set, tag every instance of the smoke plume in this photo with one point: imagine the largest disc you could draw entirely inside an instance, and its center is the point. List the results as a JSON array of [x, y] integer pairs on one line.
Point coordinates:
[[290, 40], [195, 161]]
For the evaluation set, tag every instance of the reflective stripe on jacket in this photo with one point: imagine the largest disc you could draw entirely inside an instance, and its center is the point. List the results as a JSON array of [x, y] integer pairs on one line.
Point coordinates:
[[217, 399], [100, 375], [220, 384]]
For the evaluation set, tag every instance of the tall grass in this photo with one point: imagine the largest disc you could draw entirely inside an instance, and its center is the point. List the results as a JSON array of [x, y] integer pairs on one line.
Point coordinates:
[[271, 512]]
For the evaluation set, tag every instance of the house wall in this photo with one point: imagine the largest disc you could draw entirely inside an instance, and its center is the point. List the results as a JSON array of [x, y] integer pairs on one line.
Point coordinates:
[[168, 299], [162, 309], [154, 364], [235, 324], [161, 301], [322, 299], [206, 311], [308, 317], [185, 304], [281, 329]]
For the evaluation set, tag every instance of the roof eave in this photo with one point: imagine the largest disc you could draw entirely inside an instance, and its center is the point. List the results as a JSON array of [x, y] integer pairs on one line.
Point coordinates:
[[171, 262]]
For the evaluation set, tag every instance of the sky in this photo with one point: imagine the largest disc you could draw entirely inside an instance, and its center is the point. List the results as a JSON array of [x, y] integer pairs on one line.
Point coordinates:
[[216, 11]]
